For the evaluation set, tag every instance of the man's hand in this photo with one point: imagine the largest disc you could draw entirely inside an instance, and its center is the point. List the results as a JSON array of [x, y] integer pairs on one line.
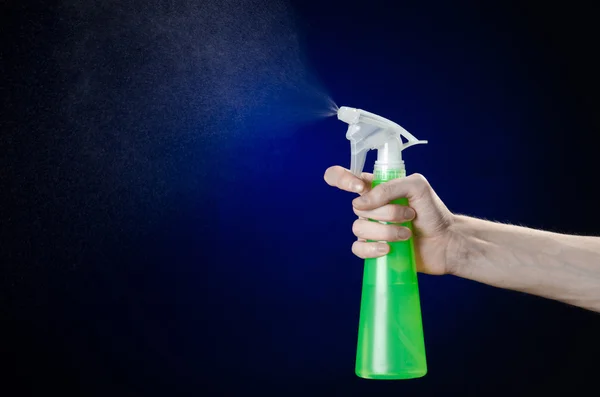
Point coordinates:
[[431, 219]]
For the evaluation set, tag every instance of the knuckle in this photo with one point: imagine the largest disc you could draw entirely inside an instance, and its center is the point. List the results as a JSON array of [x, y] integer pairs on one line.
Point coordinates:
[[420, 184], [348, 183], [419, 179], [376, 196]]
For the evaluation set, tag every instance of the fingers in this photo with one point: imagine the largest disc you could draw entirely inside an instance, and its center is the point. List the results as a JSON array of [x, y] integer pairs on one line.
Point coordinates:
[[368, 230], [374, 204], [388, 213], [343, 179], [369, 250], [412, 187]]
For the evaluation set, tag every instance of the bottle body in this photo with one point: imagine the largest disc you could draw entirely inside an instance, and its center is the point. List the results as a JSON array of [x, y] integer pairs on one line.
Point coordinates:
[[390, 336]]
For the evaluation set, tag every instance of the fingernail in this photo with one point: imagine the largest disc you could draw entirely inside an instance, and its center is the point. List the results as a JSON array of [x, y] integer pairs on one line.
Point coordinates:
[[404, 233], [382, 248], [409, 213]]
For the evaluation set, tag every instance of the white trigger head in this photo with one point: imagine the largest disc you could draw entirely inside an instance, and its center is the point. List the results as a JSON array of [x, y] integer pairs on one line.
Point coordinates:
[[367, 131]]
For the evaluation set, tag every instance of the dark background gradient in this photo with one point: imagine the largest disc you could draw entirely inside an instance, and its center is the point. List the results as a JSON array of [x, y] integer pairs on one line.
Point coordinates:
[[189, 263]]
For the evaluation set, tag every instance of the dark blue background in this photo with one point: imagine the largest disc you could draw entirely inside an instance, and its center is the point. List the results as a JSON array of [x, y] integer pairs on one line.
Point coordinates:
[[221, 267]]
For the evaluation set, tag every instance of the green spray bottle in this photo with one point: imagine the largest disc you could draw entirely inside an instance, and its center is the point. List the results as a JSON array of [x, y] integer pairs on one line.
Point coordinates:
[[390, 335]]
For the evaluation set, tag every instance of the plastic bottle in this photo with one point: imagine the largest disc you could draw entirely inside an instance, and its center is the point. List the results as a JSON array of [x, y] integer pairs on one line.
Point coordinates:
[[390, 335]]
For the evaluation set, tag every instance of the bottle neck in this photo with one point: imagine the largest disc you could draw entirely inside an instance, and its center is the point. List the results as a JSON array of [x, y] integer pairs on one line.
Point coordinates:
[[389, 158], [386, 172]]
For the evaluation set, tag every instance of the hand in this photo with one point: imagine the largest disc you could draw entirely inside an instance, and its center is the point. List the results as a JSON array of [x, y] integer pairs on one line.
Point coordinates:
[[431, 219]]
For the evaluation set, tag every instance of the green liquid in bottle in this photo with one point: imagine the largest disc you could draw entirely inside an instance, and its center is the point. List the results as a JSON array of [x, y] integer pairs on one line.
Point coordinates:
[[390, 337]]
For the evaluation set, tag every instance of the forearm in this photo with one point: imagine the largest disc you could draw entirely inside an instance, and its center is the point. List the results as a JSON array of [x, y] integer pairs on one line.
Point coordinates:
[[556, 266]]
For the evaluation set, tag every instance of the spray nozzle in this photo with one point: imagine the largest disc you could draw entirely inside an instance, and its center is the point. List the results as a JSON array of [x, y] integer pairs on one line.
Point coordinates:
[[368, 131]]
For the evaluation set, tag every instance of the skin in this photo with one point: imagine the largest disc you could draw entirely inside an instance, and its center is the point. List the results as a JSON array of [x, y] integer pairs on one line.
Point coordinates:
[[556, 266]]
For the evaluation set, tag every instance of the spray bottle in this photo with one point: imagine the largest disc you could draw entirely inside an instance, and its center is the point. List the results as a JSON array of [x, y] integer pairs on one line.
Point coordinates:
[[390, 335]]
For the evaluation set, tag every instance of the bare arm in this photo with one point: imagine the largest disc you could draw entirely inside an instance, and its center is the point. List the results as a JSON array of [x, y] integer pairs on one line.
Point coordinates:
[[555, 266], [552, 265]]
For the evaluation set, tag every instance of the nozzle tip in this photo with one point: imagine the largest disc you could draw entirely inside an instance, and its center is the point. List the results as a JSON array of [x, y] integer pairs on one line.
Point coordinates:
[[348, 115]]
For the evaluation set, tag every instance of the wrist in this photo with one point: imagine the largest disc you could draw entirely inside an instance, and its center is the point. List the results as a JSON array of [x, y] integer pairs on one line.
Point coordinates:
[[458, 253]]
